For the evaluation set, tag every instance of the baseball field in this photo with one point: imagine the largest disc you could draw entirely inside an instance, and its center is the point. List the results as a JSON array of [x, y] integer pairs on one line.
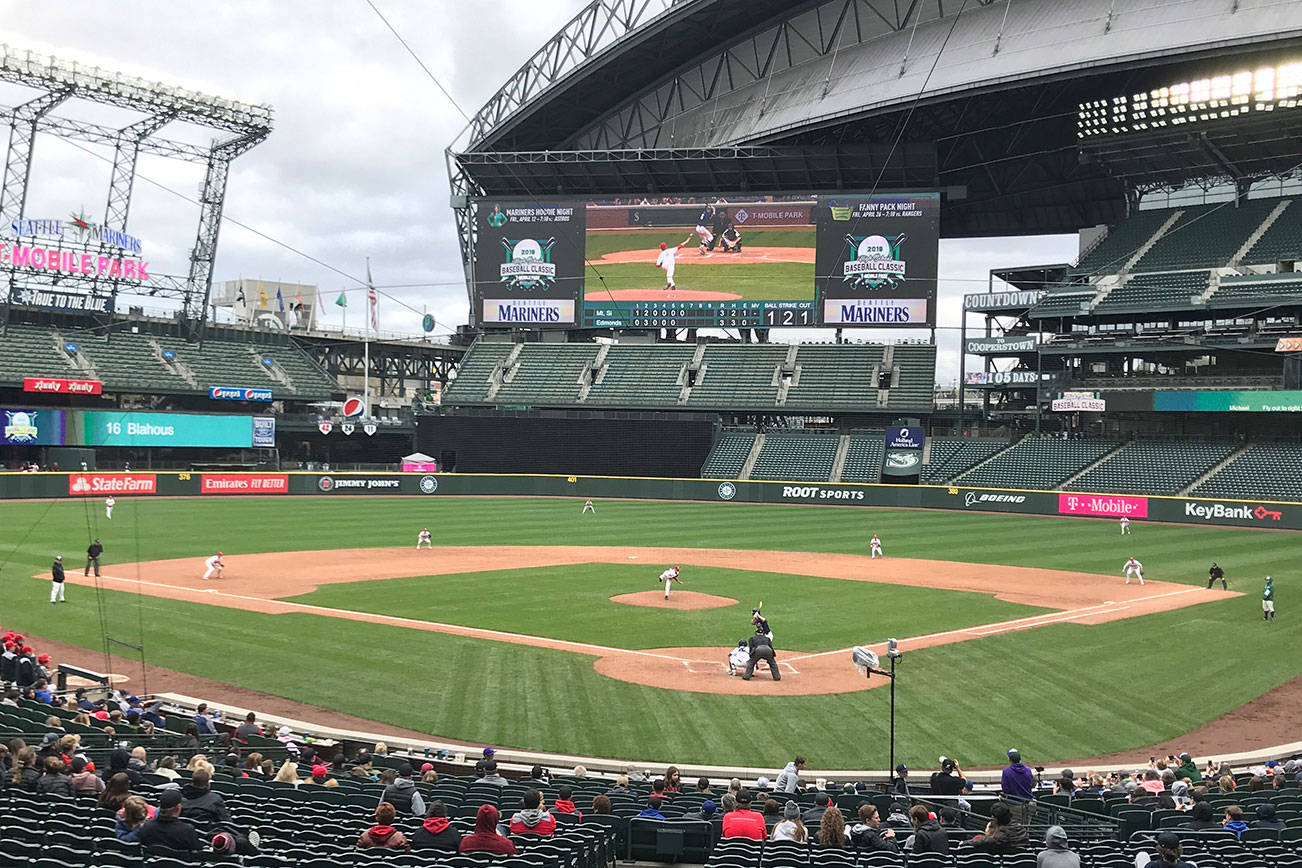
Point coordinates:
[[1016, 630], [774, 264]]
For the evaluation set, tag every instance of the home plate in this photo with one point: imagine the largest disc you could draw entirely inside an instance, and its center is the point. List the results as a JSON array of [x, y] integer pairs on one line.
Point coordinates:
[[632, 557]]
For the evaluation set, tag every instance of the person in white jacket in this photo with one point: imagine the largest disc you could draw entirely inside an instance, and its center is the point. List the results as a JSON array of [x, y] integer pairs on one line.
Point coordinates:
[[789, 776]]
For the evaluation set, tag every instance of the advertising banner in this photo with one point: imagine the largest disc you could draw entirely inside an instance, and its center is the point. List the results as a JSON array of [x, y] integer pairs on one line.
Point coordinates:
[[244, 483], [264, 431], [32, 427], [995, 346], [53, 299], [529, 261], [1279, 401], [992, 301], [114, 428], [902, 462], [237, 393], [92, 484], [1000, 378], [1078, 405], [879, 248], [905, 438], [359, 484], [1213, 512], [1113, 505], [54, 386]]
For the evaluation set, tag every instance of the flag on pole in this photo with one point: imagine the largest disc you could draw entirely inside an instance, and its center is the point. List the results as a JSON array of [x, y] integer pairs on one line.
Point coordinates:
[[371, 299], [342, 300], [299, 298], [262, 296], [320, 300], [280, 300]]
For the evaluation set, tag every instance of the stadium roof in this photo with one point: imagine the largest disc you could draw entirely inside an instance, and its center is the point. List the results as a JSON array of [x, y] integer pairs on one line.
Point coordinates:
[[994, 90]]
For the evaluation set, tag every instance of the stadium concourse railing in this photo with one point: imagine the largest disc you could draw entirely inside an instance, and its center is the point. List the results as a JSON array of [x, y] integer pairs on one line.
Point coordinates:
[[1260, 514]]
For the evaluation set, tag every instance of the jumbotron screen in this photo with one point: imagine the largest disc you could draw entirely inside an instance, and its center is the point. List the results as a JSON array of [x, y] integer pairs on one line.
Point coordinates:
[[709, 261]]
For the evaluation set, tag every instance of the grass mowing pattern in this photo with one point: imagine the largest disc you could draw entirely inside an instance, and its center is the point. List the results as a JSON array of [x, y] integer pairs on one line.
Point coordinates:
[[1055, 692], [572, 602]]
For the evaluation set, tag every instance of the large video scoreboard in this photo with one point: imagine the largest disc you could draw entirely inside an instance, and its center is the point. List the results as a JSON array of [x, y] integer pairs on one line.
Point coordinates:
[[856, 260]]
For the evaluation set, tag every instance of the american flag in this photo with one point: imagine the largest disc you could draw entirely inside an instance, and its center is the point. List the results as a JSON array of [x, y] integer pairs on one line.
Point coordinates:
[[371, 300]]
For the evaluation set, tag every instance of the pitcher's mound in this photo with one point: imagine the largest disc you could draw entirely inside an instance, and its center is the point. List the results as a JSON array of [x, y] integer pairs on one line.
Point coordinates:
[[678, 600]]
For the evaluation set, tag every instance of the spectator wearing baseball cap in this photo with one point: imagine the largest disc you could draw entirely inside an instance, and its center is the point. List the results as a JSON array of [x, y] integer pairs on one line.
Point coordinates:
[[167, 829], [321, 777], [1169, 852], [483, 761], [900, 783], [949, 781], [490, 775], [403, 795], [813, 816], [1017, 783]]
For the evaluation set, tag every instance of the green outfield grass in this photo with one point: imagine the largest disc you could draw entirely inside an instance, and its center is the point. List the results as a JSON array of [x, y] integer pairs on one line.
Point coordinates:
[[573, 602], [754, 281], [1055, 692]]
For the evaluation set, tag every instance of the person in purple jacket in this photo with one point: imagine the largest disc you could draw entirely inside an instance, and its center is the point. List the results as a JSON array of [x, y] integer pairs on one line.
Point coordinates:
[[1018, 786]]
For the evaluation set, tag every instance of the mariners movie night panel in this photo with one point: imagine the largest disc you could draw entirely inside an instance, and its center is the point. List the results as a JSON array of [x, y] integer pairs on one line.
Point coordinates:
[[708, 261]]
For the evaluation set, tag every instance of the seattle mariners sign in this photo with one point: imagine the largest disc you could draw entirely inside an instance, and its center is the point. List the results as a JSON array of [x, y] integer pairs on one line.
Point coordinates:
[[528, 261]]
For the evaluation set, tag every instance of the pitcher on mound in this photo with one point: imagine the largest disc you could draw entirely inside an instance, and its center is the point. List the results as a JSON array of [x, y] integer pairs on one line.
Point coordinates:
[[670, 576]]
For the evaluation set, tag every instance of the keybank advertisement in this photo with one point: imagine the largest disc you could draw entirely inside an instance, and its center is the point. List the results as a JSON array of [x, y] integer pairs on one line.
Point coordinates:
[[106, 428], [1282, 401]]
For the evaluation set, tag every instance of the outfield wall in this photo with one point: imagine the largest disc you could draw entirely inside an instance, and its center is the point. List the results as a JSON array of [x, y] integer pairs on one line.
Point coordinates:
[[1262, 514]]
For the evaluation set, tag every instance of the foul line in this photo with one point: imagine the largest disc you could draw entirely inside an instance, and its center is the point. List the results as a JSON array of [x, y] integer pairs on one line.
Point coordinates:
[[1018, 623]]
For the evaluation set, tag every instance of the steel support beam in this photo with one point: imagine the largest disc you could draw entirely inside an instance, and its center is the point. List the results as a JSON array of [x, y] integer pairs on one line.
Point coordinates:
[[18, 162]]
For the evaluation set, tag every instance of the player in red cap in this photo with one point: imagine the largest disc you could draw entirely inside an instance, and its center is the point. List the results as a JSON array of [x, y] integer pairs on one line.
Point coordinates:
[[670, 576], [214, 565]]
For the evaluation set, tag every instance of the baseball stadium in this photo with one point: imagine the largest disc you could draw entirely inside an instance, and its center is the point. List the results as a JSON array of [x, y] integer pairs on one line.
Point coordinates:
[[706, 557]]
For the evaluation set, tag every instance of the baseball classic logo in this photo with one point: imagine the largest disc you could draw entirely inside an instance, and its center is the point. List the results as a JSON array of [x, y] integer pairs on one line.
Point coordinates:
[[20, 426], [429, 484], [528, 263], [874, 261], [727, 491]]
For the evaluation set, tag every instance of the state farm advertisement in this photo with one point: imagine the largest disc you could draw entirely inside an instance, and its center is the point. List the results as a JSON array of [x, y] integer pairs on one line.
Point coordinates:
[[91, 484], [244, 483], [55, 386], [1109, 505]]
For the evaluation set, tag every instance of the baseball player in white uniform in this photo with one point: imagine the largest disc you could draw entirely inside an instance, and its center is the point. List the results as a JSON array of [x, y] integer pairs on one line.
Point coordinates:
[[588, 507], [108, 506], [1134, 569], [1125, 525], [875, 545], [669, 576], [738, 658], [423, 538], [214, 565], [666, 261]]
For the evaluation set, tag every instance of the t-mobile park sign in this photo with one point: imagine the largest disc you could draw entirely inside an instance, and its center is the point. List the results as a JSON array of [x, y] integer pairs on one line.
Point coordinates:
[[73, 246]]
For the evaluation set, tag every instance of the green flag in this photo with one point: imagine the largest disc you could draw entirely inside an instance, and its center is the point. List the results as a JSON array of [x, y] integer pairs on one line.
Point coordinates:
[[342, 301]]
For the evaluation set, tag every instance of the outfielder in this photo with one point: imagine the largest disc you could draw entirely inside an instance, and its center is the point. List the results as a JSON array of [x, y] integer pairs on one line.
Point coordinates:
[[1125, 525], [1135, 570], [876, 546], [214, 565], [670, 576], [1216, 573], [423, 538], [1268, 601], [588, 507], [667, 262], [703, 230], [108, 506]]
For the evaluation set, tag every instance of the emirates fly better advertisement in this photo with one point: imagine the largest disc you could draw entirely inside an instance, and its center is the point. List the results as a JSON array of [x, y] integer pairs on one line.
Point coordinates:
[[876, 259]]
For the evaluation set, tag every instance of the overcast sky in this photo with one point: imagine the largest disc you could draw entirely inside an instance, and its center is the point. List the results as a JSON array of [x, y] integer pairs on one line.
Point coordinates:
[[355, 165]]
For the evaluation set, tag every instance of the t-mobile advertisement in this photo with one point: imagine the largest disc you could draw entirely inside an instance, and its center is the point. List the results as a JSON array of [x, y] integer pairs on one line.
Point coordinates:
[[528, 261], [1111, 505], [876, 259]]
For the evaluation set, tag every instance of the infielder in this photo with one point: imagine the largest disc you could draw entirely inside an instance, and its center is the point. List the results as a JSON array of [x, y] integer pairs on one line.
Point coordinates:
[[667, 262], [669, 576], [423, 538], [1268, 601], [214, 565], [1216, 573], [876, 545], [738, 658], [56, 581], [1125, 525], [588, 507], [1135, 570], [108, 506], [703, 230]]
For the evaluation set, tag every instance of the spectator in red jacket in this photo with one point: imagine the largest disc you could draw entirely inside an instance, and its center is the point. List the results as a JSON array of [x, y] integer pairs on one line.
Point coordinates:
[[534, 819], [743, 822], [485, 838], [564, 803]]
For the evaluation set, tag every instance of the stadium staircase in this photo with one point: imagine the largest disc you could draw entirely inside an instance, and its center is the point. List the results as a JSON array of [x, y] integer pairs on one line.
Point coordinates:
[[1066, 483], [1261, 471], [863, 458], [798, 456], [748, 466], [79, 361], [728, 457], [946, 458], [1148, 245], [1221, 465], [1037, 462], [838, 460], [1151, 467], [1262, 229]]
